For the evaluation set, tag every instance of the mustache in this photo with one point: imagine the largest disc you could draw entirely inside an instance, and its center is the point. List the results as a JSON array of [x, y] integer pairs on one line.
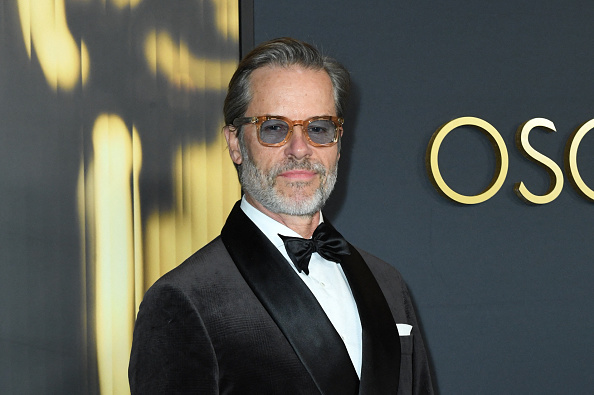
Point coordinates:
[[303, 164]]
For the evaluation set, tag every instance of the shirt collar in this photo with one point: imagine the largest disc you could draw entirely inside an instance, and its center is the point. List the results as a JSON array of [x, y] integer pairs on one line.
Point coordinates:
[[270, 227]]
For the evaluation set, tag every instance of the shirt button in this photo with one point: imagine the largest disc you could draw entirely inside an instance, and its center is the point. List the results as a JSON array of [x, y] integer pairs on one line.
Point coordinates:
[[322, 284]]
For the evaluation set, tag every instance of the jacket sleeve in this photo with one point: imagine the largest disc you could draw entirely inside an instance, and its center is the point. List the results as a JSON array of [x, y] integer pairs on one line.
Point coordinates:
[[171, 349], [415, 374], [420, 374]]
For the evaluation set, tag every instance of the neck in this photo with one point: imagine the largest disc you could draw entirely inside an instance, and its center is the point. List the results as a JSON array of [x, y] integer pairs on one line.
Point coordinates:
[[303, 225]]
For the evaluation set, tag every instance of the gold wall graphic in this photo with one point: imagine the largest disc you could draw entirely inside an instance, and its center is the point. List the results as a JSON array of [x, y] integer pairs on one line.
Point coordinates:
[[155, 183], [109, 213], [63, 61], [201, 205]]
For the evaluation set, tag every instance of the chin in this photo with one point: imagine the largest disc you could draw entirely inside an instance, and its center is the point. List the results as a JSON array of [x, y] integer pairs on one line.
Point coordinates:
[[300, 204], [298, 197]]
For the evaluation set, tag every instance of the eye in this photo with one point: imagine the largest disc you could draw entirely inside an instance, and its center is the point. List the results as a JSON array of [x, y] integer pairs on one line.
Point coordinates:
[[318, 130], [321, 127], [274, 126]]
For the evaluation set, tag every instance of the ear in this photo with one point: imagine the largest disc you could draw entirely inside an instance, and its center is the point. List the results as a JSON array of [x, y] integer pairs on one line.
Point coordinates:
[[233, 144]]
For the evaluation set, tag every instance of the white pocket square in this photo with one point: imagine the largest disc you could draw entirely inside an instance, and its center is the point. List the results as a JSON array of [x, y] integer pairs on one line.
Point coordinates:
[[404, 329]]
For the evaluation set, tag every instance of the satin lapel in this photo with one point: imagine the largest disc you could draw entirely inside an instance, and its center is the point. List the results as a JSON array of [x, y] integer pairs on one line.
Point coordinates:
[[291, 305], [381, 343]]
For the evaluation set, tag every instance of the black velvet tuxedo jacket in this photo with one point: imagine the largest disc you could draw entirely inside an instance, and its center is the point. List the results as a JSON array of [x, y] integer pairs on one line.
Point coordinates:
[[235, 318]]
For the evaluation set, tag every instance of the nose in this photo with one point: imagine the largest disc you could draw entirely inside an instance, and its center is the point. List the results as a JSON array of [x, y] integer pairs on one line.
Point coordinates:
[[298, 146]]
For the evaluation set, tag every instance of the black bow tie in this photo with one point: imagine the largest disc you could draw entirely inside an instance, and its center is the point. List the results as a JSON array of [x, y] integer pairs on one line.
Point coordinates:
[[326, 241]]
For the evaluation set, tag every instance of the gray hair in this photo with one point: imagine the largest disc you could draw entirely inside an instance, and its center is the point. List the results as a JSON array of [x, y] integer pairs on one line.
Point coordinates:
[[283, 52]]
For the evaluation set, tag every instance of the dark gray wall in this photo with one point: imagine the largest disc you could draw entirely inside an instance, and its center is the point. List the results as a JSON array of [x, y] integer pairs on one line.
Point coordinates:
[[503, 289]]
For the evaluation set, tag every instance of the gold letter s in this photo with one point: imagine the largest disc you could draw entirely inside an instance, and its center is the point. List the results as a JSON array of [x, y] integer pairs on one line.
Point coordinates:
[[554, 171]]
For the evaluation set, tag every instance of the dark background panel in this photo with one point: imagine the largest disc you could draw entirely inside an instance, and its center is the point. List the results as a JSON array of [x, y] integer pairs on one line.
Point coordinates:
[[502, 288], [47, 321]]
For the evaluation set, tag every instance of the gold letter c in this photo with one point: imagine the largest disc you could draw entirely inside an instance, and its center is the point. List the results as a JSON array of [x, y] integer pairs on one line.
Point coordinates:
[[571, 159]]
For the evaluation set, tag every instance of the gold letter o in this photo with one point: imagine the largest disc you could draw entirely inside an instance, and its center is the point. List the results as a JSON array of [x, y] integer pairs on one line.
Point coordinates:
[[500, 153]]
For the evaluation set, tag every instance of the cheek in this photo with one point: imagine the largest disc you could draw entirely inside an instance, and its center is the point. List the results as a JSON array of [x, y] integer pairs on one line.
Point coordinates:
[[262, 159], [251, 149], [332, 158]]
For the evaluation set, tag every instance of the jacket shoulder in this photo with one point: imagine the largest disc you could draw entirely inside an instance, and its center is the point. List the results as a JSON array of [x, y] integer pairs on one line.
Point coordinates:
[[380, 268], [207, 262]]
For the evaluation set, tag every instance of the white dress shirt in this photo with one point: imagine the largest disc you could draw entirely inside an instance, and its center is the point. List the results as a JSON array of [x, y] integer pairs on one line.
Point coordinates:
[[326, 281]]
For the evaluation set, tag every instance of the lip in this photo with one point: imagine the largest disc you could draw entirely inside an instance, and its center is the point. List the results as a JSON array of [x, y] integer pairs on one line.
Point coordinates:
[[298, 174]]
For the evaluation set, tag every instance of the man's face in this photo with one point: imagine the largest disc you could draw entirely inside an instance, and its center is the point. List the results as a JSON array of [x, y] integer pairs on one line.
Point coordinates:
[[296, 178]]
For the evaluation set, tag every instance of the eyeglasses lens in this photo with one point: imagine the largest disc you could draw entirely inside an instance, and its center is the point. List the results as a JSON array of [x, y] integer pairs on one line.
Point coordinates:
[[321, 131], [274, 131]]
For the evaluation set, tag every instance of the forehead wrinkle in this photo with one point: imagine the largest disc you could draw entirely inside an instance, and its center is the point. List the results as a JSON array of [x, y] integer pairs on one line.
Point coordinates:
[[298, 85]]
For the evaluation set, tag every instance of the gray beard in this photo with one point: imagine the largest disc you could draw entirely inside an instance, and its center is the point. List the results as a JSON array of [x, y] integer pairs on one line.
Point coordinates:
[[261, 186]]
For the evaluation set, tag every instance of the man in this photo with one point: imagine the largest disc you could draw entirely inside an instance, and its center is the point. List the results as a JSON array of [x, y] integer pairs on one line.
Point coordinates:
[[260, 310]]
